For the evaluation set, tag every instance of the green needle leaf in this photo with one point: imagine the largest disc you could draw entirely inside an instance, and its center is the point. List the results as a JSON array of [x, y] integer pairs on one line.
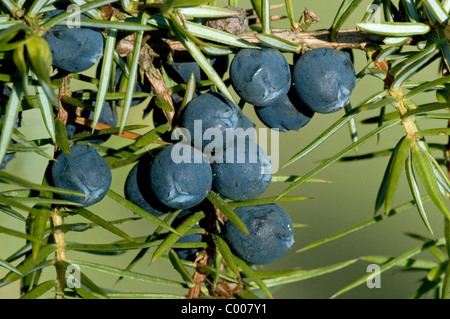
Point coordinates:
[[290, 14], [382, 101], [227, 210], [438, 11], [10, 267], [35, 7], [200, 58], [40, 289], [109, 249], [9, 33], [84, 280], [21, 182], [105, 75], [46, 110], [61, 136], [279, 43], [345, 10], [162, 103], [399, 157], [267, 200], [376, 219], [446, 283], [12, 110], [426, 174], [429, 51], [293, 178], [250, 273], [171, 239], [103, 223], [256, 4], [447, 236], [411, 10], [112, 25], [128, 274], [188, 95], [276, 278], [431, 85], [206, 11], [141, 212], [185, 3], [218, 36], [395, 29], [392, 263], [246, 294], [410, 263], [411, 69], [27, 265], [40, 56], [132, 76], [41, 214], [11, 212], [337, 157], [20, 62], [179, 267], [225, 251], [152, 135], [265, 13], [416, 193]]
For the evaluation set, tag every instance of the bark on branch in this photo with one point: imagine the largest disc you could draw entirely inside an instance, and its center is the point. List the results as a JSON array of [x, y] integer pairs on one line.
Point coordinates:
[[347, 39]]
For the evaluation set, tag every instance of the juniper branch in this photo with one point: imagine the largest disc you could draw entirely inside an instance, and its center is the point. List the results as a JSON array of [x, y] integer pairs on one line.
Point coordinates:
[[347, 39]]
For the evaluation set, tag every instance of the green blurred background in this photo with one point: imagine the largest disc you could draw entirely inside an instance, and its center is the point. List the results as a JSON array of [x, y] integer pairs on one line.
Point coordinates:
[[348, 200]]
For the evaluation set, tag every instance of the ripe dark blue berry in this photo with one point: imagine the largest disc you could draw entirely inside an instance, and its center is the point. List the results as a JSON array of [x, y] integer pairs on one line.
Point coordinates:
[[324, 79], [83, 171], [286, 114], [138, 189], [180, 176], [74, 49], [260, 76], [244, 173], [271, 234], [211, 111]]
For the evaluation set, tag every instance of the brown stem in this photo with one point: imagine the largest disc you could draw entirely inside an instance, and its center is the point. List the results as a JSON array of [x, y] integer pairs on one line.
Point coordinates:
[[101, 126], [57, 219], [63, 113], [347, 39], [60, 253], [199, 277]]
